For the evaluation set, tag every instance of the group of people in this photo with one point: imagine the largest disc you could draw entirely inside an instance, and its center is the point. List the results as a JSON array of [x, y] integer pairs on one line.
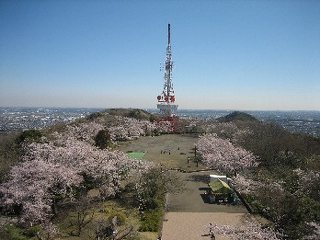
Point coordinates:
[[165, 151]]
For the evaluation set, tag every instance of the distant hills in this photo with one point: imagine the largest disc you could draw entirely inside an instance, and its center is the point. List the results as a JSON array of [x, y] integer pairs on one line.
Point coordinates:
[[237, 116]]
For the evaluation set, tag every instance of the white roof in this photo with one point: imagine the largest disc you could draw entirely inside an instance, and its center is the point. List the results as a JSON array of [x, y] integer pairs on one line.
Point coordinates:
[[219, 176]]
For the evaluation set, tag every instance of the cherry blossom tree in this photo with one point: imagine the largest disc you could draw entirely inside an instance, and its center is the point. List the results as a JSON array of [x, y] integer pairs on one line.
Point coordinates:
[[120, 129], [308, 183], [85, 131], [245, 185], [223, 130], [316, 231], [250, 230], [56, 168], [131, 128], [33, 186], [226, 129], [222, 155]]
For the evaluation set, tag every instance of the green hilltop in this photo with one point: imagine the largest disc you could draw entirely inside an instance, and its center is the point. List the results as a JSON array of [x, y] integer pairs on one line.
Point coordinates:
[[237, 116], [124, 112]]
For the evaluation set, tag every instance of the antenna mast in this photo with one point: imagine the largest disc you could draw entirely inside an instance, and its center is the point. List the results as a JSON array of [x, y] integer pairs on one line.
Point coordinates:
[[167, 98]]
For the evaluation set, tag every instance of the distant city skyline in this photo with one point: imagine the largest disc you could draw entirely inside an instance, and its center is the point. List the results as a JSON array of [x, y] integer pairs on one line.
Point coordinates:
[[232, 55]]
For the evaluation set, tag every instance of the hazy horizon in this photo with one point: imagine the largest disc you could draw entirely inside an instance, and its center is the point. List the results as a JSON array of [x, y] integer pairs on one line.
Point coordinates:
[[179, 109], [228, 55]]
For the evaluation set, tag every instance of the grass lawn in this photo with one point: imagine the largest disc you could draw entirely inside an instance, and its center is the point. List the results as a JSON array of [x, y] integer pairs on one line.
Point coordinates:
[[148, 235], [136, 155], [170, 150]]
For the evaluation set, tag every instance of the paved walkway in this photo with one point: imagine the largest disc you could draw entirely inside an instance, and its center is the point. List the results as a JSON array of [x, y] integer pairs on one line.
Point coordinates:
[[193, 199]]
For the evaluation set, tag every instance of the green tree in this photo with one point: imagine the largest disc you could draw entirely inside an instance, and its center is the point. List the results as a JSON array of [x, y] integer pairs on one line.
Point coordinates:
[[32, 135], [103, 139]]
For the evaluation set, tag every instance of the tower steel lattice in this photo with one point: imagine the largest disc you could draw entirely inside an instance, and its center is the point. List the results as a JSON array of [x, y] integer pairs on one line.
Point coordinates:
[[166, 100]]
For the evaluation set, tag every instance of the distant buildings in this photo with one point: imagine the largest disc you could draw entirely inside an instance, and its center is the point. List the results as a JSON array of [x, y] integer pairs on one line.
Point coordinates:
[[36, 118], [11, 119]]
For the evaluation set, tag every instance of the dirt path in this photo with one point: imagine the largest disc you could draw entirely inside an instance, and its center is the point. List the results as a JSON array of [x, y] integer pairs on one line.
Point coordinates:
[[193, 225]]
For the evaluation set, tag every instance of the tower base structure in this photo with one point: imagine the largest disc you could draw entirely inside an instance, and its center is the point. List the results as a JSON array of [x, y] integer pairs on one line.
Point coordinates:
[[167, 110]]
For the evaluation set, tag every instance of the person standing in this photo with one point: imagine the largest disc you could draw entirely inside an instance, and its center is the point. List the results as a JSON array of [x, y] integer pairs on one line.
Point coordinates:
[[211, 233]]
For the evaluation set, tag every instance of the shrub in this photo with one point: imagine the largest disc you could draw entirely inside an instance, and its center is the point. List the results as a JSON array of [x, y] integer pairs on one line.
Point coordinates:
[[150, 221], [29, 135], [121, 217], [94, 115], [102, 139], [31, 231], [11, 232], [9, 153]]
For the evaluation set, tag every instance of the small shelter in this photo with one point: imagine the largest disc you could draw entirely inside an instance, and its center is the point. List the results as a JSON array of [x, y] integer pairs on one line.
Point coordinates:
[[220, 191], [221, 177]]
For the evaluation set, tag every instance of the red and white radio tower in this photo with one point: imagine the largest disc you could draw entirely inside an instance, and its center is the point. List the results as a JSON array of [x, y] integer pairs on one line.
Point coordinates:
[[167, 98]]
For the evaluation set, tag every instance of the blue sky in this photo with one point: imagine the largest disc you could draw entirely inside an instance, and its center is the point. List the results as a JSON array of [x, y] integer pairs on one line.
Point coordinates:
[[244, 55]]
